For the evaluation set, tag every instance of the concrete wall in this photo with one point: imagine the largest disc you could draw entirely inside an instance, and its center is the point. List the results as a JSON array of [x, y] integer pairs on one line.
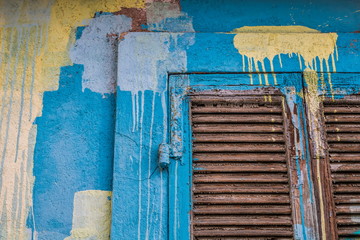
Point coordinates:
[[58, 79]]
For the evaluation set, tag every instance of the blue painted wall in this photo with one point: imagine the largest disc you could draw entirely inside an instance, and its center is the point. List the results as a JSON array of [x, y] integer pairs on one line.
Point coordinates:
[[74, 151]]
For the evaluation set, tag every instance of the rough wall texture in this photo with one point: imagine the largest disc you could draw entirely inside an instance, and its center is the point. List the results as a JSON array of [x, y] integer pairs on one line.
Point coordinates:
[[58, 79]]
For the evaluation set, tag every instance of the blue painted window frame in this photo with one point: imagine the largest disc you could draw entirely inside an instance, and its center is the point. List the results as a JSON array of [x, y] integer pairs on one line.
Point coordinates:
[[180, 170]]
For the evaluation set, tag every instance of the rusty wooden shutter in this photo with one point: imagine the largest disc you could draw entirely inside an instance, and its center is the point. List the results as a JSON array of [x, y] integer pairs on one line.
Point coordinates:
[[241, 183], [342, 121]]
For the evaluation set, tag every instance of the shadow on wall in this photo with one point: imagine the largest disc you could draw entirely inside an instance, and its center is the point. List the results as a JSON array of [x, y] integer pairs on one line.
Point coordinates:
[[74, 152]]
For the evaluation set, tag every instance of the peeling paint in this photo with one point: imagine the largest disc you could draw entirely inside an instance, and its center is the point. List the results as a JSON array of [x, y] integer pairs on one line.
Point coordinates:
[[97, 51]]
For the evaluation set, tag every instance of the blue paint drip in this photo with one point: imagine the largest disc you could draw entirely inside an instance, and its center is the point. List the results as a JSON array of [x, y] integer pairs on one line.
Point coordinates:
[[73, 152]]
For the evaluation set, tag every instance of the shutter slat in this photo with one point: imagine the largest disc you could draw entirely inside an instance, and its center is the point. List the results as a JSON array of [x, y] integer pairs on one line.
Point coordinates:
[[347, 188], [345, 167], [241, 220], [242, 209], [334, 118], [346, 178], [349, 100], [240, 178], [348, 220], [342, 109], [346, 232], [241, 188], [236, 118], [240, 167], [241, 199], [345, 157], [344, 147], [240, 137], [248, 231], [239, 157], [347, 199], [240, 174], [236, 238], [237, 128], [343, 137], [275, 100], [345, 128], [348, 209], [230, 109], [238, 147]]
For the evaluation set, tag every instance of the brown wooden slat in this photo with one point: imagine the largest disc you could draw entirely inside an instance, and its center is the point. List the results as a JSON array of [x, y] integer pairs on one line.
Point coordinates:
[[346, 199], [348, 209], [343, 137], [346, 178], [348, 220], [348, 100], [344, 147], [242, 209], [237, 128], [241, 199], [241, 238], [345, 157], [343, 128], [248, 231], [241, 220], [240, 178], [238, 147], [342, 109], [348, 231], [347, 188], [236, 109], [240, 167], [239, 137], [240, 188], [236, 118], [349, 118], [275, 100], [239, 157], [345, 167]]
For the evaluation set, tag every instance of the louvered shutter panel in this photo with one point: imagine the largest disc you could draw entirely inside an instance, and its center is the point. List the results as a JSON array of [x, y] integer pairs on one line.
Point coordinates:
[[342, 121], [241, 184]]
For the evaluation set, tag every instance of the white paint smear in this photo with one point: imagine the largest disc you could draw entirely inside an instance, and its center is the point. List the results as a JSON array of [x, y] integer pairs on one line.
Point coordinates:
[[97, 49]]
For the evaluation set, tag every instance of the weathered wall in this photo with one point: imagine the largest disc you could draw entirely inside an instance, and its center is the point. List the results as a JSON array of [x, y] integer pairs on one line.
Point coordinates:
[[58, 77]]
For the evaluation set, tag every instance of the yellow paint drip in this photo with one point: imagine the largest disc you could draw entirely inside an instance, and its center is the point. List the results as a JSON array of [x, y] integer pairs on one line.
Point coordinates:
[[268, 42], [35, 38]]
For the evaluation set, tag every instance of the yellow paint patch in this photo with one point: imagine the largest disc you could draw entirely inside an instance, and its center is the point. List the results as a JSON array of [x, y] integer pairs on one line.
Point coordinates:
[[267, 42], [91, 215], [35, 37]]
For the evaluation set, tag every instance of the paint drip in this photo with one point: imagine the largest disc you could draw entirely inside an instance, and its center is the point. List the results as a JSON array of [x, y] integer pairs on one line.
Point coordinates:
[[313, 49]]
